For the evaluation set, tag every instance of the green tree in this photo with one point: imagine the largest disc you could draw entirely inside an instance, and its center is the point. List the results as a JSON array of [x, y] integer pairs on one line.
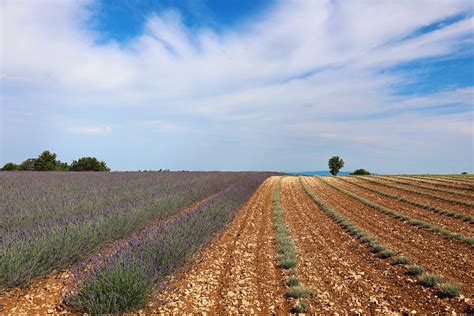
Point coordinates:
[[46, 161], [361, 172], [89, 164], [335, 163], [10, 166], [27, 165]]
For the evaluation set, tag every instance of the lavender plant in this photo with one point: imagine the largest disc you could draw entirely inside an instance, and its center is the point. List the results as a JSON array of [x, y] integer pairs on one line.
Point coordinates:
[[51, 220], [123, 281]]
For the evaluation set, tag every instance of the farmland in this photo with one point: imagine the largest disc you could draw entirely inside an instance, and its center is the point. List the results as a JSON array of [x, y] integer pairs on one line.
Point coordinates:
[[235, 242]]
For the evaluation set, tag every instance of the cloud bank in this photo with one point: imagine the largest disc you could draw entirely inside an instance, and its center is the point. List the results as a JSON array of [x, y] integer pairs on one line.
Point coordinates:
[[305, 80]]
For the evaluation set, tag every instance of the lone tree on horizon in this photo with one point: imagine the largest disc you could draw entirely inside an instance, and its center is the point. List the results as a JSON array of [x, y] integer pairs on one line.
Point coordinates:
[[335, 163]]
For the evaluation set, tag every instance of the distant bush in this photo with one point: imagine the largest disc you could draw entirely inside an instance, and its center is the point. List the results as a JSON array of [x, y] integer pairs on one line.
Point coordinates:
[[47, 161], [89, 164], [10, 166], [464, 172], [28, 165], [361, 172]]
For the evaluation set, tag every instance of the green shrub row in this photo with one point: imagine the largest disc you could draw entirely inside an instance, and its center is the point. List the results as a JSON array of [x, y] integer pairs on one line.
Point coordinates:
[[464, 203], [444, 289], [404, 218], [438, 210], [353, 229], [437, 182], [287, 255], [399, 180]]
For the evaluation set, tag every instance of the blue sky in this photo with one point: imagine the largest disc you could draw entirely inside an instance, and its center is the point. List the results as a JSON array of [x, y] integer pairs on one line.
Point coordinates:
[[240, 85]]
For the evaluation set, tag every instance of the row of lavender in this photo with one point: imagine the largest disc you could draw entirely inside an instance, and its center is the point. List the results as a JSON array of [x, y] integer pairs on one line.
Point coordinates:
[[52, 220], [124, 280]]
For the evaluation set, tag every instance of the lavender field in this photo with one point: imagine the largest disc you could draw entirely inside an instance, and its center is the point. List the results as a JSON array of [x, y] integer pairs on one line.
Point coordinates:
[[52, 221]]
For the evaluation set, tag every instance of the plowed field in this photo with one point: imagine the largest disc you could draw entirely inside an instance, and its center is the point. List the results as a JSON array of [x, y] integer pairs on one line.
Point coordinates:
[[334, 234]]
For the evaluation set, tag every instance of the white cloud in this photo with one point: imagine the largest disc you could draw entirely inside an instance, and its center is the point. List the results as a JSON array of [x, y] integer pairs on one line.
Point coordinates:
[[90, 130], [299, 68]]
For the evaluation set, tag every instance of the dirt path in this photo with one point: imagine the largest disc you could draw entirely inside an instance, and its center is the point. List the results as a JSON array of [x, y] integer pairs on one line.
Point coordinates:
[[450, 223], [417, 197], [237, 273], [343, 274], [45, 295], [451, 258]]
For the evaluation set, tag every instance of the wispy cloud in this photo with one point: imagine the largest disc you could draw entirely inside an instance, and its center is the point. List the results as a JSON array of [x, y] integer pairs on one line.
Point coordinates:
[[305, 71], [90, 130]]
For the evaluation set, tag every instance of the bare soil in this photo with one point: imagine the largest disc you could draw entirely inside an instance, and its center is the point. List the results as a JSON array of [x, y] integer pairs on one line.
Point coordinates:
[[343, 274], [448, 257], [419, 198], [449, 223], [237, 273], [437, 193]]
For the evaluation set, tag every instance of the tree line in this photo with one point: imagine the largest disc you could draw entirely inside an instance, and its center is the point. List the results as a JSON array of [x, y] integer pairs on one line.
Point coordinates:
[[47, 161]]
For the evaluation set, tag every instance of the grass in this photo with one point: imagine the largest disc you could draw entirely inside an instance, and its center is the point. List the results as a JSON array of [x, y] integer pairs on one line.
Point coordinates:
[[449, 290], [401, 260], [415, 270], [429, 280], [404, 218]]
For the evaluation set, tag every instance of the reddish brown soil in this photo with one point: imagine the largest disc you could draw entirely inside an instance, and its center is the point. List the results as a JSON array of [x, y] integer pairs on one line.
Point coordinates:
[[437, 193], [46, 295], [418, 197], [440, 220], [446, 183], [237, 273], [451, 258], [432, 188], [344, 276]]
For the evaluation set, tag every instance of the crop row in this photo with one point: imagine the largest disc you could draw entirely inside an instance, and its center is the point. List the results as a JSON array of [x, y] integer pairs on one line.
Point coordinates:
[[397, 180], [124, 280], [36, 248], [287, 254], [434, 181], [425, 279], [461, 179], [438, 210], [433, 196], [403, 218]]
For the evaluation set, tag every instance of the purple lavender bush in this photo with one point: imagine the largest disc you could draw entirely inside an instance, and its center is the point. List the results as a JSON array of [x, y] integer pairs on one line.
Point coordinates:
[[52, 220], [123, 281]]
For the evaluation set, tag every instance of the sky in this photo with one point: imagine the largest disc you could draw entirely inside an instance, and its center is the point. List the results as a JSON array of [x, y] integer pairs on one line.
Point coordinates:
[[240, 84]]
